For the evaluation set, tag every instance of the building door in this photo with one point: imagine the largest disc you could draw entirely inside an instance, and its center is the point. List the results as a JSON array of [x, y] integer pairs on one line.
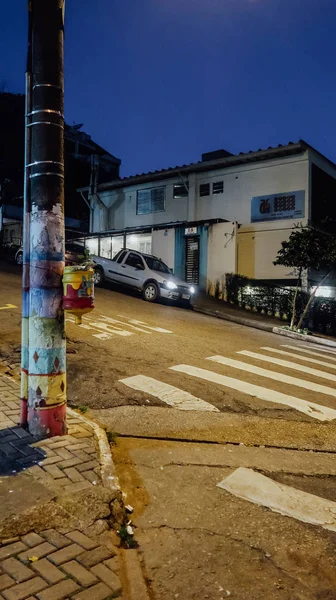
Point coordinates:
[[192, 260]]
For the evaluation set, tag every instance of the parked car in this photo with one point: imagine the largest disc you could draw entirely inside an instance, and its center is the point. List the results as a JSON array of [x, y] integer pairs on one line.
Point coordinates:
[[74, 253], [143, 272]]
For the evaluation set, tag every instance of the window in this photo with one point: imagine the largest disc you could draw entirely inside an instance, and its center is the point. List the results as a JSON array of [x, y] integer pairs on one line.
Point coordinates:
[[181, 190], [117, 244], [120, 257], [134, 260], [157, 265], [106, 247], [218, 187], [92, 245], [150, 201], [140, 242], [204, 189]]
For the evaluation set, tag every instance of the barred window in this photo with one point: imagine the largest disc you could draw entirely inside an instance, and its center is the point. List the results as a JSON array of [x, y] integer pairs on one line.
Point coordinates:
[[218, 187], [204, 189], [151, 200]]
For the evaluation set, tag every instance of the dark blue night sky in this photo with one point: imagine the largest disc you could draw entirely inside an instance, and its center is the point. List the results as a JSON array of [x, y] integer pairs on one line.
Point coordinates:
[[158, 82]]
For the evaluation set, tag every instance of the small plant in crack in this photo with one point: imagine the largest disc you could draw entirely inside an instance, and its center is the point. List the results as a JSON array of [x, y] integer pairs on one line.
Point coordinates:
[[126, 539], [82, 408], [112, 437]]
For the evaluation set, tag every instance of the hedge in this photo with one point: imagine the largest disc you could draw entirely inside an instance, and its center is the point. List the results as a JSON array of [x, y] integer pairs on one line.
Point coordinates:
[[277, 301]]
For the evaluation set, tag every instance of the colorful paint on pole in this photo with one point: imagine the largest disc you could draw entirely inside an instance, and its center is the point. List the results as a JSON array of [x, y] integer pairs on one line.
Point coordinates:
[[78, 291]]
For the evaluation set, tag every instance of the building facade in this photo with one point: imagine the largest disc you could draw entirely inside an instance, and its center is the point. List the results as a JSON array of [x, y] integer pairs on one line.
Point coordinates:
[[225, 214]]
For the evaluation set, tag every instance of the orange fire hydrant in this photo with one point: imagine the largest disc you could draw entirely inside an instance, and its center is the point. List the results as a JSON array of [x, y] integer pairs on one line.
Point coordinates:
[[78, 291]]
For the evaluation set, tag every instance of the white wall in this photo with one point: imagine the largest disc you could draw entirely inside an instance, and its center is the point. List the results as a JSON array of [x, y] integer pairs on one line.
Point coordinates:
[[243, 182], [256, 251], [163, 245], [222, 253]]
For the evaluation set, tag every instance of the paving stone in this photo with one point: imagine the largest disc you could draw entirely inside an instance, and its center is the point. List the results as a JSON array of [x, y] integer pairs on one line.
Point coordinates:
[[64, 464], [50, 460], [59, 591], [113, 564], [80, 446], [6, 582], [73, 475], [93, 557], [96, 592], [108, 577], [54, 471], [82, 575], [55, 538], [61, 444], [22, 590], [10, 540], [16, 569], [6, 551], [77, 487], [63, 453], [32, 539], [62, 556], [38, 551], [48, 571], [82, 540], [90, 476], [87, 466]]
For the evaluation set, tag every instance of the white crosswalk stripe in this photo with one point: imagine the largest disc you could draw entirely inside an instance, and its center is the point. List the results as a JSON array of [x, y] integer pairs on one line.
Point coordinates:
[[168, 393], [314, 361], [317, 411], [289, 365], [311, 352], [243, 366], [330, 350], [281, 498]]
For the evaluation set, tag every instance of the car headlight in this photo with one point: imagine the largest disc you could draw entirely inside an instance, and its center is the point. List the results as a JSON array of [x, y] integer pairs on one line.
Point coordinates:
[[192, 290], [171, 285]]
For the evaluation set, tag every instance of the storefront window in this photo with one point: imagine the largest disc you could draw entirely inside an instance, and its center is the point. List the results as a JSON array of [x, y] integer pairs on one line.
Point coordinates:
[[92, 245], [142, 242], [106, 247], [117, 244]]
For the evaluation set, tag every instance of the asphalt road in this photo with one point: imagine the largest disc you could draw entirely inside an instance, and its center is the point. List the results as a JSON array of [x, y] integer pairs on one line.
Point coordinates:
[[258, 420], [128, 351]]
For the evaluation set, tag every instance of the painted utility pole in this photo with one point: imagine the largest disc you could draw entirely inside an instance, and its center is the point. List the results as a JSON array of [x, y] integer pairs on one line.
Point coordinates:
[[43, 387]]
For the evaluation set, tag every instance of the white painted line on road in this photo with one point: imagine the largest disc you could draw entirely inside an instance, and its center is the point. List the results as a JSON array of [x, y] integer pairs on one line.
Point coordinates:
[[103, 336], [305, 358], [168, 393], [108, 328], [289, 365], [326, 350], [317, 411], [307, 351], [284, 499], [307, 385], [7, 306], [143, 324], [110, 320]]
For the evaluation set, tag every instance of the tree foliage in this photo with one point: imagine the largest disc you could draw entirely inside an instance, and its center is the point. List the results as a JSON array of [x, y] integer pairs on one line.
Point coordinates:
[[308, 248]]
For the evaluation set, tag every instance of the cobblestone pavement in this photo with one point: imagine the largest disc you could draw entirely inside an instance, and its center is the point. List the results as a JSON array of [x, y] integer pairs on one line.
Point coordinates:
[[50, 565]]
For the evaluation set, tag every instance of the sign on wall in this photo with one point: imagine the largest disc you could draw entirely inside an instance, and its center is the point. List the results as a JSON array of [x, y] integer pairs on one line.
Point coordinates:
[[190, 231], [287, 205]]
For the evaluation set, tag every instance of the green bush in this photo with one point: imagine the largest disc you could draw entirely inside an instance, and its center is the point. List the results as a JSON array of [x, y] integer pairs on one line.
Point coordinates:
[[276, 301]]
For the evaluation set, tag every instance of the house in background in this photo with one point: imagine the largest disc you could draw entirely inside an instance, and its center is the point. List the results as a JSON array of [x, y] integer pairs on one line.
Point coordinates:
[[225, 214]]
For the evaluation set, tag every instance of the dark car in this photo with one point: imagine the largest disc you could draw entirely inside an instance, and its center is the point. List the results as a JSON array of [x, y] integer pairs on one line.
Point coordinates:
[[75, 254]]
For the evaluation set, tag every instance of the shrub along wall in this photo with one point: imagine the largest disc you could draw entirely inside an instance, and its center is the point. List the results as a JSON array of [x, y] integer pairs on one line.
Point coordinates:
[[277, 301]]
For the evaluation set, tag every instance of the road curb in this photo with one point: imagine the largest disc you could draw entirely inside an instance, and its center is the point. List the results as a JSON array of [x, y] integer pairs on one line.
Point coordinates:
[[136, 585], [266, 327], [107, 468]]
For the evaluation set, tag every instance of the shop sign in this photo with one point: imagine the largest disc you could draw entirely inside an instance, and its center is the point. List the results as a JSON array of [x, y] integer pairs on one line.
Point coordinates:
[[274, 207], [190, 231]]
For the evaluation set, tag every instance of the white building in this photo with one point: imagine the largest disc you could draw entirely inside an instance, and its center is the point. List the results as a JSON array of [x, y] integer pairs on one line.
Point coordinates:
[[224, 214]]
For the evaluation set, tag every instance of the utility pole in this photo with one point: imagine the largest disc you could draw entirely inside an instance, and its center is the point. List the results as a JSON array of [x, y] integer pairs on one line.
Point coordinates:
[[43, 384]]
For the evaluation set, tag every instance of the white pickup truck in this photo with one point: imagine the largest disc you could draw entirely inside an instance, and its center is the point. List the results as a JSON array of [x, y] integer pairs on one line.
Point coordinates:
[[146, 273]]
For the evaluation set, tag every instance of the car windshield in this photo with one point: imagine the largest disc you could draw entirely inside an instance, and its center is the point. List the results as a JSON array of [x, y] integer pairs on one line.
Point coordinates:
[[156, 265]]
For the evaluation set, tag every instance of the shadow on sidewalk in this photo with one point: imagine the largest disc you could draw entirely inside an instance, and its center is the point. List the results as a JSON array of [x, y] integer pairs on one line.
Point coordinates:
[[16, 451]]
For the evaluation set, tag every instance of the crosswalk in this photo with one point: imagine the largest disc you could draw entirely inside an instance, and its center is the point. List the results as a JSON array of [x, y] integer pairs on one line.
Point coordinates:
[[182, 399], [105, 328]]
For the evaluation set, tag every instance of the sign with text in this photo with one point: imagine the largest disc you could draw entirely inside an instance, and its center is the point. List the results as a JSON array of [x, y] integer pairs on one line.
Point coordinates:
[[274, 207], [190, 231]]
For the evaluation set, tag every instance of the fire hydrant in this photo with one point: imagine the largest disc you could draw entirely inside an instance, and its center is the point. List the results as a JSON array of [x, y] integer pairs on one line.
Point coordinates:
[[78, 291]]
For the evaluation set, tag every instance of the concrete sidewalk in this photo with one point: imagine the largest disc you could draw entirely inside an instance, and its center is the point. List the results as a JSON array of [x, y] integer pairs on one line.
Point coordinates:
[[56, 515]]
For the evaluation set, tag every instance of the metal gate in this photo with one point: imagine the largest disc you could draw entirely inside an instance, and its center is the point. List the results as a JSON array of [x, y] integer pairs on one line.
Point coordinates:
[[192, 260]]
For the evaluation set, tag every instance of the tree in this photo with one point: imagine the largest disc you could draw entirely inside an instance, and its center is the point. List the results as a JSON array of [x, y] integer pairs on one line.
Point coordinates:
[[308, 248]]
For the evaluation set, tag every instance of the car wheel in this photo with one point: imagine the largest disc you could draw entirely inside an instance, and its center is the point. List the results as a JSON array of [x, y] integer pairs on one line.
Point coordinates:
[[151, 291], [98, 276], [19, 258]]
